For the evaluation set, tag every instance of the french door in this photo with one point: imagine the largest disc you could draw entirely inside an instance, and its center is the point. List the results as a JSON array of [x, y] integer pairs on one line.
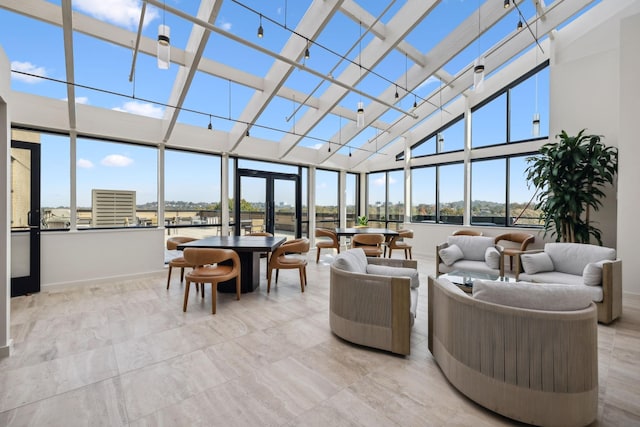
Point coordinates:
[[268, 201], [25, 218]]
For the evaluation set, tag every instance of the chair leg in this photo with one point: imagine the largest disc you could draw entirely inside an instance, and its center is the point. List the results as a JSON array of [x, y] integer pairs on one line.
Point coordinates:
[[317, 255], [269, 272], [410, 255], [277, 273], [181, 274], [238, 287], [390, 250], [169, 277], [186, 296], [301, 280]]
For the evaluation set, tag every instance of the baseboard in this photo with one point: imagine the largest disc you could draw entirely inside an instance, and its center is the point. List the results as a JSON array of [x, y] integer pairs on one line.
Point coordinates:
[[6, 350], [102, 280]]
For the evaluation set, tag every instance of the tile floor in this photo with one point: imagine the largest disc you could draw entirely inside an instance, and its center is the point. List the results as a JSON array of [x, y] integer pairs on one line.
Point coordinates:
[[124, 353]]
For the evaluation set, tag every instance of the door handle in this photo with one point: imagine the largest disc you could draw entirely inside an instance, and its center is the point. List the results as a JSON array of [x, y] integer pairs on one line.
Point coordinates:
[[33, 218]]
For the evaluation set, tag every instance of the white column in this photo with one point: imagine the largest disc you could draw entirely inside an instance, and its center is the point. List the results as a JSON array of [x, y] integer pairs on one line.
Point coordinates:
[[160, 197], [5, 209], [466, 220], [224, 194], [342, 198], [73, 169], [311, 191], [407, 180]]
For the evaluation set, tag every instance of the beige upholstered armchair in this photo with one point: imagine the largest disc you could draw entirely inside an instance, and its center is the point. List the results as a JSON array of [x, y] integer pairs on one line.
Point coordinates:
[[373, 301]]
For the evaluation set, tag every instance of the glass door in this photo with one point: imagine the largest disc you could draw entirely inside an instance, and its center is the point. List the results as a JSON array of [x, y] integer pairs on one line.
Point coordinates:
[[267, 201], [25, 218]]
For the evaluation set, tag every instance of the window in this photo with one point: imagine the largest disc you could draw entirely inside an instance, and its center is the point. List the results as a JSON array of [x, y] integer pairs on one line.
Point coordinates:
[[304, 183], [117, 167], [446, 139], [327, 214], [192, 191], [488, 192], [395, 197], [376, 198], [522, 212], [351, 198], [489, 123], [451, 193], [526, 99], [55, 182], [423, 194], [508, 116]]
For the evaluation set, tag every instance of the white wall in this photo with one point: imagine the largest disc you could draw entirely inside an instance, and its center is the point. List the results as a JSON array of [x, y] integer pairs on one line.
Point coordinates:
[[592, 85], [96, 255], [5, 208], [629, 145]]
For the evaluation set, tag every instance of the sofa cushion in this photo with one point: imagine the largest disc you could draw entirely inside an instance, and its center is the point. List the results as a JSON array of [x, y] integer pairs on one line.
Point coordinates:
[[595, 292], [352, 260], [385, 270], [472, 247], [592, 273], [536, 263], [451, 254], [466, 265], [533, 296], [492, 257], [573, 257]]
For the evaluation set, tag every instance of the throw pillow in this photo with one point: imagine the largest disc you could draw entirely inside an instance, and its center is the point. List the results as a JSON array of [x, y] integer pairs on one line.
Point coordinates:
[[385, 270], [450, 254], [492, 257], [592, 273], [351, 261], [533, 296], [536, 263]]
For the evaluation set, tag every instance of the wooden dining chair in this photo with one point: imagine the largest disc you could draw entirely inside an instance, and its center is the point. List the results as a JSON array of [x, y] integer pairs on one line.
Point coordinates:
[[211, 268], [291, 254], [524, 239], [330, 243], [467, 233], [371, 244], [179, 261], [398, 242]]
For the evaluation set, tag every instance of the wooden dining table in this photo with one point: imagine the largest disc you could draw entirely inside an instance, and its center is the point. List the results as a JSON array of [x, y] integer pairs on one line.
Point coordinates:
[[248, 249], [351, 231]]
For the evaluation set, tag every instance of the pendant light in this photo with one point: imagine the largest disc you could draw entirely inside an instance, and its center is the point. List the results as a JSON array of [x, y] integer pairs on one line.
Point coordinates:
[[164, 47], [439, 135], [260, 29], [507, 4], [307, 55]]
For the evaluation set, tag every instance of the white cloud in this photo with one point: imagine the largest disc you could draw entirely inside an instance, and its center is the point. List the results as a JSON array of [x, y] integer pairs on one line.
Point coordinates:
[[379, 182], [27, 67], [317, 145], [225, 25], [116, 160], [82, 100], [124, 13], [141, 108], [392, 180], [431, 80], [85, 164]]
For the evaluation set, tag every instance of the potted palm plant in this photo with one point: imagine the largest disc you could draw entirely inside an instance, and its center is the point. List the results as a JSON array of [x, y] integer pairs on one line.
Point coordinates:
[[362, 221], [569, 177]]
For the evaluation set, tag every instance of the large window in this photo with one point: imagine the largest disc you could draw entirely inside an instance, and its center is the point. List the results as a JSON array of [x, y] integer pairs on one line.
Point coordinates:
[[500, 194], [423, 194], [488, 192], [192, 191], [385, 199], [55, 181], [509, 115], [327, 214], [446, 139], [116, 184], [451, 193], [351, 198]]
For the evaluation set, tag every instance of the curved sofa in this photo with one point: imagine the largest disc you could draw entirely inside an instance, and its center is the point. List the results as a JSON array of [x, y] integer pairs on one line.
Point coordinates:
[[538, 367], [375, 309]]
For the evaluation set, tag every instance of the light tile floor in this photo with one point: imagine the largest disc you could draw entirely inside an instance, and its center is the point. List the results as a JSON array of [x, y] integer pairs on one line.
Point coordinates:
[[124, 353]]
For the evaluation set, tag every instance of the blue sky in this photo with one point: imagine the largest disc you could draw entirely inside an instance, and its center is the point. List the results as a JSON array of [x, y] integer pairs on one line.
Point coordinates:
[[37, 48]]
